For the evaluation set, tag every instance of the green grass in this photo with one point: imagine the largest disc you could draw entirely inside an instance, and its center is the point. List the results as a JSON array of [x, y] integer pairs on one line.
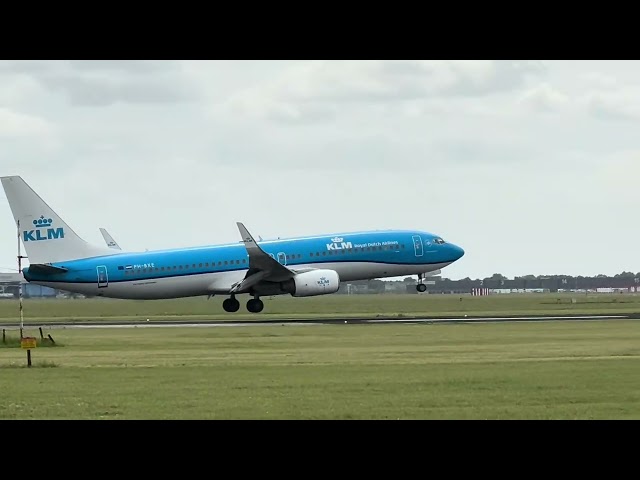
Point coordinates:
[[13, 341], [550, 370], [39, 310], [23, 364]]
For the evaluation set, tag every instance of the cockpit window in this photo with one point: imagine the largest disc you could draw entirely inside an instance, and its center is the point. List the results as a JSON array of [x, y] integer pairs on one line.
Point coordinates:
[[438, 241]]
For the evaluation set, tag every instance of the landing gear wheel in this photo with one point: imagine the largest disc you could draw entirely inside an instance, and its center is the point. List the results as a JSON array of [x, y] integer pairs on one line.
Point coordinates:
[[255, 305], [421, 287], [231, 305]]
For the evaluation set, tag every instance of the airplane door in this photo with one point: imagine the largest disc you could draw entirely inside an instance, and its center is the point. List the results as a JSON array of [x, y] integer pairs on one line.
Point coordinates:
[[282, 258], [103, 278], [417, 245]]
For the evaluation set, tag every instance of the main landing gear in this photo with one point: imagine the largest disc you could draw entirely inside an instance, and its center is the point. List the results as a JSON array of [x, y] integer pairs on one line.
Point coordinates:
[[231, 304], [421, 287], [255, 305]]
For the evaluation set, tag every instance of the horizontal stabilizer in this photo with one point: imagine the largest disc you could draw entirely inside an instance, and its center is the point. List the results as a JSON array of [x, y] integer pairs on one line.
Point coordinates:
[[45, 268]]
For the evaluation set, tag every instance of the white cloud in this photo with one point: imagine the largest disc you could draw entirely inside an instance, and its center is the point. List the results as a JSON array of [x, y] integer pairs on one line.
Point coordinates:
[[600, 80], [621, 172], [103, 83], [544, 98], [15, 124], [304, 88], [17, 88], [621, 104]]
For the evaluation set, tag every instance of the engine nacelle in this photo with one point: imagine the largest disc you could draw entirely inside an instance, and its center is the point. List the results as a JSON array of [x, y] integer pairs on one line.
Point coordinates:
[[316, 282]]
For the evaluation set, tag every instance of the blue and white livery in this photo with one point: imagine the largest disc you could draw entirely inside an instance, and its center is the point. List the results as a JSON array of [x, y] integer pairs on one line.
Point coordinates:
[[300, 267]]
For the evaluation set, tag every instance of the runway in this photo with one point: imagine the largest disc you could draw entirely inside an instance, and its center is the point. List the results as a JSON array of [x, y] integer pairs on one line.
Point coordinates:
[[311, 322]]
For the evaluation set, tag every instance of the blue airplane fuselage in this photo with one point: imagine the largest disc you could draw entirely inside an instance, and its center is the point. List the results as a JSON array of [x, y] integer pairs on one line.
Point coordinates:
[[201, 270]]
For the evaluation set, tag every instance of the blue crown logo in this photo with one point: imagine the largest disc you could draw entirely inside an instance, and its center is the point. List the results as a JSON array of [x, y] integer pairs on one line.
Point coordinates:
[[336, 239], [42, 222]]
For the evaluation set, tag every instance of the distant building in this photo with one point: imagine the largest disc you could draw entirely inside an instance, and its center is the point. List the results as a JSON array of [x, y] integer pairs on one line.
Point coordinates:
[[479, 291], [10, 287]]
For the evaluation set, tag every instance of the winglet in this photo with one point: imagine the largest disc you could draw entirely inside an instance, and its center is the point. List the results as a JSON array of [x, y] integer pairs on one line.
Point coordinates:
[[247, 238], [261, 260], [111, 243]]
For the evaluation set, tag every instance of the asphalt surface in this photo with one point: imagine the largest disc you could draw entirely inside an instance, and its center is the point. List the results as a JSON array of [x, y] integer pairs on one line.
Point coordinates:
[[309, 321]]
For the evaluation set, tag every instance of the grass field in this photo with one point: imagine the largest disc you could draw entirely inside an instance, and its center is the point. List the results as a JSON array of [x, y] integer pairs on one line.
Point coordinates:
[[39, 310], [549, 370]]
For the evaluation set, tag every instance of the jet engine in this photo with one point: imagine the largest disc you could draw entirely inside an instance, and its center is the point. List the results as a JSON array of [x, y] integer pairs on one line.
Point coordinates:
[[307, 284]]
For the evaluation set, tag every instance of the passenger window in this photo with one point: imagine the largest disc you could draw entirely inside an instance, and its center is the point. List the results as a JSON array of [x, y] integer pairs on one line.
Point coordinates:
[[311, 254], [200, 265]]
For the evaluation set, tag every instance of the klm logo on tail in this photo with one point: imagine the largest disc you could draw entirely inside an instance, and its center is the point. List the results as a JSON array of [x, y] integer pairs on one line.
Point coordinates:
[[337, 243], [42, 231]]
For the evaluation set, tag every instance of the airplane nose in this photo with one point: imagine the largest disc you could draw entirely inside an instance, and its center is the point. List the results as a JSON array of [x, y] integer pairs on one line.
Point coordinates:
[[457, 252]]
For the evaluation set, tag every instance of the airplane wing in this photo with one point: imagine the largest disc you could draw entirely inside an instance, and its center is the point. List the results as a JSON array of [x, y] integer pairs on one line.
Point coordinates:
[[109, 239], [262, 266]]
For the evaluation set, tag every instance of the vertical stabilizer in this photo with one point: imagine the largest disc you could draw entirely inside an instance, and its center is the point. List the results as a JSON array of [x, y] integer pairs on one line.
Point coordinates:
[[45, 236]]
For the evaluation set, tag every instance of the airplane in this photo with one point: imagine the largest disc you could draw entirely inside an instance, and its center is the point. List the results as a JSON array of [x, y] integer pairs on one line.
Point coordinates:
[[300, 267], [110, 241]]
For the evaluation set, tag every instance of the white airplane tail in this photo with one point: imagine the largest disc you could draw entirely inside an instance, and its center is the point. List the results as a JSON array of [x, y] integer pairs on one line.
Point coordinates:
[[45, 236]]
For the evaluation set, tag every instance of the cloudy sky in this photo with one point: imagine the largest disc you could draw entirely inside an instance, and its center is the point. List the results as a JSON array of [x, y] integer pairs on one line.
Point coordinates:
[[531, 166]]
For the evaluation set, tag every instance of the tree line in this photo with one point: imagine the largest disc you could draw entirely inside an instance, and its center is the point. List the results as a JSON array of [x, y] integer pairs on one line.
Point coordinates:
[[552, 283]]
